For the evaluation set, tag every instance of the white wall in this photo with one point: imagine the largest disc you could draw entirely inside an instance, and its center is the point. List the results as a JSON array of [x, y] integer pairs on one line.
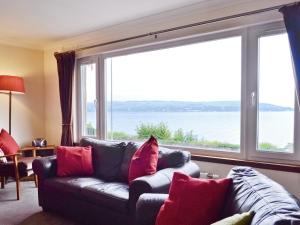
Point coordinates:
[[27, 109], [291, 181]]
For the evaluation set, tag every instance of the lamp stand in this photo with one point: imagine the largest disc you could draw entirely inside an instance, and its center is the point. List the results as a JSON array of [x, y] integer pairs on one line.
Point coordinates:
[[9, 118]]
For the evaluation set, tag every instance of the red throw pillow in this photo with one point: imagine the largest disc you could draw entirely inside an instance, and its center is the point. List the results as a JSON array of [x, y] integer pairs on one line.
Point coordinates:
[[193, 201], [144, 160], [74, 161], [8, 143]]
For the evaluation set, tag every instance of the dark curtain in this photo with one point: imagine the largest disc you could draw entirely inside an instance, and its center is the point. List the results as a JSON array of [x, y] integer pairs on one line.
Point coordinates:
[[291, 14], [65, 67]]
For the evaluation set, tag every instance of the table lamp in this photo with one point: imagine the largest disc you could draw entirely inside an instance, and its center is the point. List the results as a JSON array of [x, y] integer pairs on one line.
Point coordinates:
[[11, 84]]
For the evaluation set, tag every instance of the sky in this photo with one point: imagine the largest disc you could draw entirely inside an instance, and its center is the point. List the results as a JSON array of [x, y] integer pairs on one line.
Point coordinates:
[[206, 71]]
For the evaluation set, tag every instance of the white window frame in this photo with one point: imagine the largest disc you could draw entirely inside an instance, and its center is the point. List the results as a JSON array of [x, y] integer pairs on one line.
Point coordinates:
[[254, 33], [249, 76], [80, 89]]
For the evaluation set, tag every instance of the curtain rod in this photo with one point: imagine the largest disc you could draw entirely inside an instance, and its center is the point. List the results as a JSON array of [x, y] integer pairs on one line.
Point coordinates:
[[155, 33]]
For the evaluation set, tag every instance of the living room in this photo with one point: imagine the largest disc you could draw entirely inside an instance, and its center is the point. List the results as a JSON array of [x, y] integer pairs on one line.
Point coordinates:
[[195, 74]]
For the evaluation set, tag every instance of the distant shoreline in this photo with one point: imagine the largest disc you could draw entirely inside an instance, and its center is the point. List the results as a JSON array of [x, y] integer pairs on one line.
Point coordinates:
[[183, 106]]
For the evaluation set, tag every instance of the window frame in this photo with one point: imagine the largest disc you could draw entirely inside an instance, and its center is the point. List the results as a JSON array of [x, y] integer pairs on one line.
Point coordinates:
[[249, 77], [254, 33], [79, 96]]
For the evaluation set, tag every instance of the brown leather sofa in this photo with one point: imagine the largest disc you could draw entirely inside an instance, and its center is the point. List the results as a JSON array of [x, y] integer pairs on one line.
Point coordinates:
[[251, 191], [106, 198]]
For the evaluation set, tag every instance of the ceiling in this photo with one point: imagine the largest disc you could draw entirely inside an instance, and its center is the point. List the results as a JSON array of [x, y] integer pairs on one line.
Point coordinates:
[[41, 22]]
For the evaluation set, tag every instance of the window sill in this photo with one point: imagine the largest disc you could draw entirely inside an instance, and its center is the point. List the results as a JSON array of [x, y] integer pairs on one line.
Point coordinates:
[[242, 162]]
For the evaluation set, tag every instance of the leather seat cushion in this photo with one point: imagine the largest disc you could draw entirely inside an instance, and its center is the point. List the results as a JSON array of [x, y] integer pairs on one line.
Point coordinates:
[[71, 185], [113, 195]]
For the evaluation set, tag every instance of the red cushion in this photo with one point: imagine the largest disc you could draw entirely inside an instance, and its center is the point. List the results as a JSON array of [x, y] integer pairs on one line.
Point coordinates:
[[8, 143], [74, 161], [193, 201], [144, 160]]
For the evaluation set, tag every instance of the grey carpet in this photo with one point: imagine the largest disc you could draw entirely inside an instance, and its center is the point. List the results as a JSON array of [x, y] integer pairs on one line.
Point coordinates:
[[26, 211], [42, 218]]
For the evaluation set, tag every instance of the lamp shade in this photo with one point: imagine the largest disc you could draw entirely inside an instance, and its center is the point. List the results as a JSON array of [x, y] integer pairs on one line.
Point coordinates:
[[13, 84]]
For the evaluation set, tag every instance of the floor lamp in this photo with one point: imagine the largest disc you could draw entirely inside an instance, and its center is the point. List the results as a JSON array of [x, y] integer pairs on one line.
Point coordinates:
[[11, 84]]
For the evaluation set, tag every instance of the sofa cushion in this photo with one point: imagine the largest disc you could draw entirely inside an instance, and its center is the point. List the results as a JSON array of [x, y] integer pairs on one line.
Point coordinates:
[[71, 185], [169, 158], [109, 194], [144, 160], [74, 161], [107, 158], [252, 191]]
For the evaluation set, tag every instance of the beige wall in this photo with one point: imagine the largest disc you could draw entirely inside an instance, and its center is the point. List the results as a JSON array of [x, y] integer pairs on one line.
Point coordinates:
[[52, 101], [27, 109]]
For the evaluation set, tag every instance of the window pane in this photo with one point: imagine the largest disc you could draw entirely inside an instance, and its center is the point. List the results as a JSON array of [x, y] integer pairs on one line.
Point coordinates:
[[88, 77], [276, 95], [188, 95]]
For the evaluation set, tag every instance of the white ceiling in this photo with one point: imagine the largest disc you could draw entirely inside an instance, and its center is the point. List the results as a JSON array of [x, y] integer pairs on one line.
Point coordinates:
[[41, 22]]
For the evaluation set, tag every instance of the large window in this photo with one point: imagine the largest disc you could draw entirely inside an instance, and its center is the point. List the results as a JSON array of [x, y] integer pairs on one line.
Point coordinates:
[[228, 93], [187, 95]]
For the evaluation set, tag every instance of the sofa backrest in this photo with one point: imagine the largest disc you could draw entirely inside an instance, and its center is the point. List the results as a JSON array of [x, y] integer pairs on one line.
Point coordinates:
[[112, 160], [253, 191], [107, 157], [172, 158]]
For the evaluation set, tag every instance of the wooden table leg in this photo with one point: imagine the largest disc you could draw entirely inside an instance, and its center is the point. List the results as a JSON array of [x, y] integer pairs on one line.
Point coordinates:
[[17, 178]]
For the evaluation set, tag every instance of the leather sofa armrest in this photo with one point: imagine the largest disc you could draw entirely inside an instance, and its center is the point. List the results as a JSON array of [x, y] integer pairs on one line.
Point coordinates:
[[45, 167], [158, 182], [147, 208]]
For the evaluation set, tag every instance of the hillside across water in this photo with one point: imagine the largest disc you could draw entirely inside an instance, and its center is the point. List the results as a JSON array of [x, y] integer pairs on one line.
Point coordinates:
[[182, 106]]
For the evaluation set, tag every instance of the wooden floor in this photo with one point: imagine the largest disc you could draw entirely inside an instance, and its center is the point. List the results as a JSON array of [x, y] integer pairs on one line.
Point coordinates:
[[13, 211]]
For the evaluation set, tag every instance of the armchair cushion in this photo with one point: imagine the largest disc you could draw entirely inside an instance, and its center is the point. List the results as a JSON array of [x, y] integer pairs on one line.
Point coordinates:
[[8, 143], [24, 166]]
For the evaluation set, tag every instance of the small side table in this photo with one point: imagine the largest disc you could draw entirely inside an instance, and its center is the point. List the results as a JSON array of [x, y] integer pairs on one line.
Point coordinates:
[[38, 151]]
